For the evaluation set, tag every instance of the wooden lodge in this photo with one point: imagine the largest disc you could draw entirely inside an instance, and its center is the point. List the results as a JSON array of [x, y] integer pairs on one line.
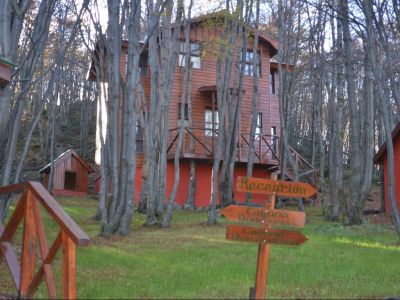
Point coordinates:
[[71, 174], [381, 158], [200, 138]]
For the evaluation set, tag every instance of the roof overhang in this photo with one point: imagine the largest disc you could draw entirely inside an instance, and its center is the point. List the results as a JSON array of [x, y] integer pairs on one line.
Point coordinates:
[[46, 168]]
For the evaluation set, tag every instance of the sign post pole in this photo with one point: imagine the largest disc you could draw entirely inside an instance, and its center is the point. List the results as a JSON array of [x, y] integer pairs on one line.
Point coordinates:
[[263, 256], [268, 217]]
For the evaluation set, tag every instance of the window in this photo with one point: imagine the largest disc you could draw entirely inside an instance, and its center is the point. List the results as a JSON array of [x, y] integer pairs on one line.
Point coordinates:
[[143, 63], [139, 138], [259, 126], [248, 68], [194, 53], [273, 138], [210, 118], [272, 81], [186, 111]]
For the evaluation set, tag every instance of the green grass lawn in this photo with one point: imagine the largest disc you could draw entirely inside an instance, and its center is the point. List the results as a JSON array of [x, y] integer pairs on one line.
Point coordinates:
[[193, 260]]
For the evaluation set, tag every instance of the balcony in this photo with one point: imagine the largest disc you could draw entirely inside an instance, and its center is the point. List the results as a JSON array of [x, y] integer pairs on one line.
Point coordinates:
[[200, 143]]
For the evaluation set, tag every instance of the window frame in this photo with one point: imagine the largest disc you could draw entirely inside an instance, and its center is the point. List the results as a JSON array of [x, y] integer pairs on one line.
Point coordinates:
[[185, 113], [139, 137], [259, 122], [248, 61], [272, 82], [194, 54], [208, 131]]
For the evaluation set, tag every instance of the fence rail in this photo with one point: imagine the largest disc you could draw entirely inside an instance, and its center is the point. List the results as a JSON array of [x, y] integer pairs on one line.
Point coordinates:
[[70, 235], [200, 142]]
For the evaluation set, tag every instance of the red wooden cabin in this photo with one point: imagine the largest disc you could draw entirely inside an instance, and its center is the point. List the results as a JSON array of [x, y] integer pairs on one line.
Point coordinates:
[[71, 174], [204, 115], [381, 158]]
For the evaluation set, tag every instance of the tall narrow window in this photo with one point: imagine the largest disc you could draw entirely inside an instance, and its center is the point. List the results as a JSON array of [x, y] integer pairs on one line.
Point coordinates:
[[248, 61], [139, 138], [210, 119], [272, 81], [259, 126], [185, 111], [273, 138], [143, 63], [194, 53]]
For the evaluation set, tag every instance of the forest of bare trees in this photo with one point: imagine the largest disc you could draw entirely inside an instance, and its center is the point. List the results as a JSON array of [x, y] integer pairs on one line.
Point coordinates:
[[339, 94]]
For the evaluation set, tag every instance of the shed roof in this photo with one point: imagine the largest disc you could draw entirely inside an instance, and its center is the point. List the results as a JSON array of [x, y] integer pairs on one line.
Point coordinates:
[[65, 155], [378, 158]]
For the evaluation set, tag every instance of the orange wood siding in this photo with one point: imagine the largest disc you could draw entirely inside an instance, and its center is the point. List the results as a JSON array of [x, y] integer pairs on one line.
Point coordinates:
[[268, 104]]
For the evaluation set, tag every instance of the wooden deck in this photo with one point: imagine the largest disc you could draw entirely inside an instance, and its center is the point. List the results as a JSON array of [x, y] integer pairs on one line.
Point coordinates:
[[199, 143]]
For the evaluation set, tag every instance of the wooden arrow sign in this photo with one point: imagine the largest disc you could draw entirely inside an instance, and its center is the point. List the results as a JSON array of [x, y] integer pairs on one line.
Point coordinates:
[[256, 235], [264, 216], [276, 187]]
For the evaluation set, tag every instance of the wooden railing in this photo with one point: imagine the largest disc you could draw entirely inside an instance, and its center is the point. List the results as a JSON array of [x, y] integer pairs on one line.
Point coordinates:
[[200, 142], [22, 271], [306, 172]]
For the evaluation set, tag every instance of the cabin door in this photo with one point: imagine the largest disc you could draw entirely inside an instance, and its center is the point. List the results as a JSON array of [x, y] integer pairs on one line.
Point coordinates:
[[70, 181]]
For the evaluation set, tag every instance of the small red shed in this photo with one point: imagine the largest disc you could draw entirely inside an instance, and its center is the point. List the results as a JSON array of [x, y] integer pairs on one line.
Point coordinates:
[[382, 159], [71, 174]]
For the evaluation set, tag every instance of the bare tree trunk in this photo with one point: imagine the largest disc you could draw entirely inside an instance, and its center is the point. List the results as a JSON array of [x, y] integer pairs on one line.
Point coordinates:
[[224, 60], [166, 222], [254, 115], [38, 38], [354, 203]]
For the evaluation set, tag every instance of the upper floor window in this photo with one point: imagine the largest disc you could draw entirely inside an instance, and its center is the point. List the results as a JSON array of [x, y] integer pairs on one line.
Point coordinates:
[[194, 53], [248, 60], [185, 111], [211, 122], [259, 126], [272, 81], [143, 63]]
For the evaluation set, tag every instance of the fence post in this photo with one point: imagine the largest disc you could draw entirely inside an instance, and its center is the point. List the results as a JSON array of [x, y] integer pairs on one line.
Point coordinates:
[[68, 267], [28, 246]]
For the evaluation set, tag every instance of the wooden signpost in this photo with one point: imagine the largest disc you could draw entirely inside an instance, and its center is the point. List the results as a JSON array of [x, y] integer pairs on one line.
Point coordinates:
[[267, 216]]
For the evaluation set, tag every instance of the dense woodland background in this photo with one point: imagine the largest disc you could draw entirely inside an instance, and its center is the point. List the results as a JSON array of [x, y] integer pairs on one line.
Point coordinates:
[[337, 105]]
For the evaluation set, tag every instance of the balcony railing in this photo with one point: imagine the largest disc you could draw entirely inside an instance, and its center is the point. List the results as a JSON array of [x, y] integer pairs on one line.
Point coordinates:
[[200, 142]]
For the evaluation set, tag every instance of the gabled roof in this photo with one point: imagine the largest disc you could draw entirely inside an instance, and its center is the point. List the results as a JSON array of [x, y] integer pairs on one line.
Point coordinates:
[[64, 155], [273, 43], [378, 158], [265, 38]]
